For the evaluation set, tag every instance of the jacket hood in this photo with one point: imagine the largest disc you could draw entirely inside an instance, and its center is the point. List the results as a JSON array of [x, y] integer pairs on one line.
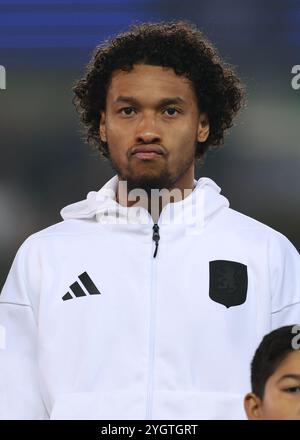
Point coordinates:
[[198, 207]]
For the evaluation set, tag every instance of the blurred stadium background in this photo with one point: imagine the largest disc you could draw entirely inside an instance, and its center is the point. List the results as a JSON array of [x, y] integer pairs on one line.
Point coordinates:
[[44, 46]]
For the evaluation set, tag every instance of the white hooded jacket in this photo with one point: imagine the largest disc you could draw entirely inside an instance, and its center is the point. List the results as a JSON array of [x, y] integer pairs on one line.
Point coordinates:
[[93, 326]]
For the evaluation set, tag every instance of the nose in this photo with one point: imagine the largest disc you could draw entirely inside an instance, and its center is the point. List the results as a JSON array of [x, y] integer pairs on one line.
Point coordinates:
[[147, 132]]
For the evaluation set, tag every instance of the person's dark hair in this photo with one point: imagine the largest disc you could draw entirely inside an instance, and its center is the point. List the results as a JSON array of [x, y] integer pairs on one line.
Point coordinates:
[[272, 350], [177, 45]]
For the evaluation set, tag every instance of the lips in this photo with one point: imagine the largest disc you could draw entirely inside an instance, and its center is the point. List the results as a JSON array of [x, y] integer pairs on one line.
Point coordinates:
[[150, 149], [147, 155]]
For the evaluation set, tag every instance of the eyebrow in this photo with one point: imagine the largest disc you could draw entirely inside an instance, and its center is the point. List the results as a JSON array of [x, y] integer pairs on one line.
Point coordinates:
[[289, 376], [161, 103]]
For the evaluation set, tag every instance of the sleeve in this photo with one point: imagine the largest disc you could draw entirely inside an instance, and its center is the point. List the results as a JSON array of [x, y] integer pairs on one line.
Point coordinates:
[[20, 396], [285, 283]]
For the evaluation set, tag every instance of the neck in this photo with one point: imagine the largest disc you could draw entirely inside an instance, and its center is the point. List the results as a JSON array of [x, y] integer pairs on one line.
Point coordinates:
[[158, 198]]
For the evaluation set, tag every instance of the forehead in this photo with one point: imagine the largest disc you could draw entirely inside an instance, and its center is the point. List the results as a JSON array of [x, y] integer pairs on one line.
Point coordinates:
[[291, 363], [150, 81]]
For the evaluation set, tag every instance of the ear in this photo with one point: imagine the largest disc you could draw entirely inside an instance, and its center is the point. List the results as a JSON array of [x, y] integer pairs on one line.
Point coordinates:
[[203, 127], [102, 126], [252, 405]]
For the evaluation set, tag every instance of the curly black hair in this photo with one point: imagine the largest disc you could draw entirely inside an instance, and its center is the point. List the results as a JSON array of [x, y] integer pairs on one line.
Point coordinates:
[[179, 45]]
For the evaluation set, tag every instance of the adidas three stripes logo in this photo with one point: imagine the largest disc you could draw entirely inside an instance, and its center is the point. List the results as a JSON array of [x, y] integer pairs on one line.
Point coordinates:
[[78, 290]]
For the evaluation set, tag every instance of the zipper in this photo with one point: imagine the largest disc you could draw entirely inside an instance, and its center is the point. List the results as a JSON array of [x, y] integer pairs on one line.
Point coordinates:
[[155, 238], [152, 325]]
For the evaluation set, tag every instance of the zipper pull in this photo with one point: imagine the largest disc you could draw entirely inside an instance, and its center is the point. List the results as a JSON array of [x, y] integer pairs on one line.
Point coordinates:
[[155, 237]]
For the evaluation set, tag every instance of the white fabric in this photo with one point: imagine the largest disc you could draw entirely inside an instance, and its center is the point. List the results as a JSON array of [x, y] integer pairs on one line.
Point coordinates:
[[153, 344]]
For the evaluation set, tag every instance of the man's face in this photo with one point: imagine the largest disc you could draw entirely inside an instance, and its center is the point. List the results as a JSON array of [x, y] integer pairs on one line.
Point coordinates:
[[151, 124], [282, 392]]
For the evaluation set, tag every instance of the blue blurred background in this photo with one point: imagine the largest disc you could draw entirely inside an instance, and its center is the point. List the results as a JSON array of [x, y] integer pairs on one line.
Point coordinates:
[[44, 46]]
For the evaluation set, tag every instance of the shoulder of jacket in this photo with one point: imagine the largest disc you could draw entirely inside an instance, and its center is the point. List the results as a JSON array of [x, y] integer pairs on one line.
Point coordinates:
[[275, 238], [246, 222], [68, 227]]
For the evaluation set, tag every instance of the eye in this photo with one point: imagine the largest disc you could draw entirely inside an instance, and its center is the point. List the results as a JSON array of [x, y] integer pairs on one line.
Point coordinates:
[[293, 390], [127, 111], [171, 111]]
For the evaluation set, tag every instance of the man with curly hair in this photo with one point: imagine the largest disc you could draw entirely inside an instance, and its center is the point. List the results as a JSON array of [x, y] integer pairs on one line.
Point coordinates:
[[148, 300]]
